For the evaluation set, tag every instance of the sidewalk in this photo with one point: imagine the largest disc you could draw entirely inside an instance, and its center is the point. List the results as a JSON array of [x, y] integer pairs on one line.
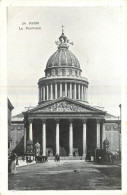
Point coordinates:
[[24, 163], [89, 164], [65, 175]]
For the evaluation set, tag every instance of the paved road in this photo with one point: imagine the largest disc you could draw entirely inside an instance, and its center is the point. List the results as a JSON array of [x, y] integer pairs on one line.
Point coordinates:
[[66, 175]]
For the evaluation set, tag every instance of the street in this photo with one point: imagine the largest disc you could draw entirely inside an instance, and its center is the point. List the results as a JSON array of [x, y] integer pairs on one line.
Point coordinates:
[[66, 175]]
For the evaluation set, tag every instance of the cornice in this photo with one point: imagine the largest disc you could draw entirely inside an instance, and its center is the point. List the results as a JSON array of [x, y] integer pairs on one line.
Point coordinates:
[[63, 79]]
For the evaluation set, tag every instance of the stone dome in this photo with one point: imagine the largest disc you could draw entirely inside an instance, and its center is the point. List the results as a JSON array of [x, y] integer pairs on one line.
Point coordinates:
[[63, 75], [61, 58]]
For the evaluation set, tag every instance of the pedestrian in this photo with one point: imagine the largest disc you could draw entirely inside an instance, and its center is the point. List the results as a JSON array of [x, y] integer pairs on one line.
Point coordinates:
[[17, 163], [55, 157], [12, 165], [23, 157], [46, 158], [26, 159], [58, 157], [48, 153]]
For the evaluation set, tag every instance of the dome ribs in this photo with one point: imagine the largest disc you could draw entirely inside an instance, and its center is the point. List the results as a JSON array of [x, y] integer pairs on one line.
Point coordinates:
[[54, 58], [63, 58], [68, 58]]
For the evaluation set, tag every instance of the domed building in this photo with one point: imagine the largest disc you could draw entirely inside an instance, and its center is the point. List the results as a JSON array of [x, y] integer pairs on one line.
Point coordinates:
[[63, 76], [63, 122]]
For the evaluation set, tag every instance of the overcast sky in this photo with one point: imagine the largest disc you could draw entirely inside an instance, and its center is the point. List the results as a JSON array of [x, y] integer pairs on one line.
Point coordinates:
[[96, 33]]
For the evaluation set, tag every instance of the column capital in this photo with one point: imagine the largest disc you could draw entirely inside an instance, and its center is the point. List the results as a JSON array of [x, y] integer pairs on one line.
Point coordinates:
[[70, 121], [57, 121], [103, 121], [30, 121], [70, 138], [25, 123], [84, 120], [43, 121], [98, 121]]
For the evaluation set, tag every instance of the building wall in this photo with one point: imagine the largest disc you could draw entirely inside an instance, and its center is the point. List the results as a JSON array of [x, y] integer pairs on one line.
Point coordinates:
[[112, 133], [10, 108], [9, 124], [17, 134]]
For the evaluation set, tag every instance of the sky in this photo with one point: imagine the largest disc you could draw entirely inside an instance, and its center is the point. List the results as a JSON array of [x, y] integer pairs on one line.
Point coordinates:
[[97, 36]]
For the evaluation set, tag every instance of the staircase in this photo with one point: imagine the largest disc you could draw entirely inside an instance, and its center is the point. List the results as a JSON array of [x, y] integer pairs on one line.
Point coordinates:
[[68, 158]]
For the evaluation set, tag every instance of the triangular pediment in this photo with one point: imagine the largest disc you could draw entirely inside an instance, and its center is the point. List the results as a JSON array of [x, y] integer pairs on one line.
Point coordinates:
[[64, 105]]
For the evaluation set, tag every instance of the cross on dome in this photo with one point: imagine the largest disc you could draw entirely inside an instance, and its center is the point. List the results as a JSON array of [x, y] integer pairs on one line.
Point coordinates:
[[63, 41], [62, 29]]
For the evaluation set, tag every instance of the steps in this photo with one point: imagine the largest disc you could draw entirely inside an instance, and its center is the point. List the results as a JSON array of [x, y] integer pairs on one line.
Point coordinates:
[[68, 158]]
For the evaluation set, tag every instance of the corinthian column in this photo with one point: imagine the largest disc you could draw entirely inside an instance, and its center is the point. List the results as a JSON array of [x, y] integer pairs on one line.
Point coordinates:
[[75, 91], [30, 130], [51, 91], [57, 137], [103, 132], [82, 93], [25, 138], [40, 94], [56, 91], [44, 137], [44, 93], [79, 92], [71, 90], [84, 137], [71, 138], [98, 134], [65, 89], [47, 92], [60, 89]]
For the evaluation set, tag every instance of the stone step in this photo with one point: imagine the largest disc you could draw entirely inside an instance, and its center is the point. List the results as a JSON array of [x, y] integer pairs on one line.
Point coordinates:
[[68, 158]]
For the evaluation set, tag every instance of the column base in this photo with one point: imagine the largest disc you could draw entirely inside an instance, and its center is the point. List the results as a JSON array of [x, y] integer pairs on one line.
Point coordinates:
[[70, 156], [84, 157]]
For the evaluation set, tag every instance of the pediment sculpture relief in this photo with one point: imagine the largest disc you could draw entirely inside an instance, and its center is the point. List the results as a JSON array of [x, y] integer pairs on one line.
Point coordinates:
[[63, 107]]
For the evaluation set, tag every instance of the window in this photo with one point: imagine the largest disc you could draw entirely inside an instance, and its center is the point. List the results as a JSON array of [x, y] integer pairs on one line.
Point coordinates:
[[19, 128], [56, 72], [48, 74], [59, 72], [67, 72], [63, 72], [70, 72], [53, 72], [9, 144]]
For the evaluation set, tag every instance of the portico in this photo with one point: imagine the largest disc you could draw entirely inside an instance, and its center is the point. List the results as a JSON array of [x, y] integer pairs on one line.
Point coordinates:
[[72, 127]]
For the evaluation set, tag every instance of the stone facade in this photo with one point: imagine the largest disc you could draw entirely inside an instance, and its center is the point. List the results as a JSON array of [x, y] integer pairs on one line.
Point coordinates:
[[63, 121], [10, 108], [17, 134], [113, 131]]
